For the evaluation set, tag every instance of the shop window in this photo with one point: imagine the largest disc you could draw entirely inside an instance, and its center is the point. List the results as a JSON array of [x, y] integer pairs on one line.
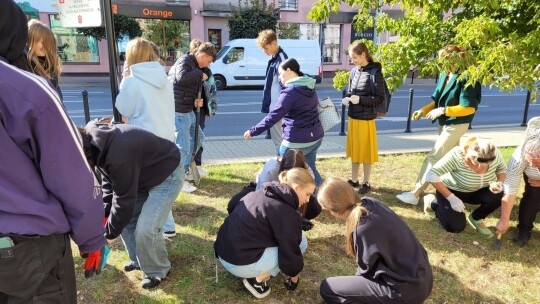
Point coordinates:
[[234, 55], [214, 36], [288, 5], [72, 46]]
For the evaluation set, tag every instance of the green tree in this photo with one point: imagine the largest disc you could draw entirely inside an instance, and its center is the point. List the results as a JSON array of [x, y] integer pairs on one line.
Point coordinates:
[[123, 25], [502, 38], [251, 18], [289, 30], [168, 34]]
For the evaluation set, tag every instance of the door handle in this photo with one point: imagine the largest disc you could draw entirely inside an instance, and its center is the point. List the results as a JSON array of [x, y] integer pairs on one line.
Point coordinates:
[[241, 66]]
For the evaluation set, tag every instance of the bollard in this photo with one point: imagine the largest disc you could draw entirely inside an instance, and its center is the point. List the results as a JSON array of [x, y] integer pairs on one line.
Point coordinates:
[[526, 112], [268, 136], [412, 77], [85, 105], [411, 95], [342, 131]]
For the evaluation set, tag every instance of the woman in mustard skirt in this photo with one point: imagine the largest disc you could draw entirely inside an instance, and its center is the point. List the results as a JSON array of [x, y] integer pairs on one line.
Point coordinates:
[[362, 98]]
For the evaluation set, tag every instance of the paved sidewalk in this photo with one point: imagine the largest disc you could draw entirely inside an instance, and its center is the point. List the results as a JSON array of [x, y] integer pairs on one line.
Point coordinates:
[[234, 149]]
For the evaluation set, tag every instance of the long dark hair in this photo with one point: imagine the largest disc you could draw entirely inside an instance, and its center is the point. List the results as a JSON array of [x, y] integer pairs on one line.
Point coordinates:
[[292, 64]]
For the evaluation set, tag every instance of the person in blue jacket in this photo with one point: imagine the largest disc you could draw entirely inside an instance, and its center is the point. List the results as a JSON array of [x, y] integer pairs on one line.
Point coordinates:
[[47, 190], [297, 105]]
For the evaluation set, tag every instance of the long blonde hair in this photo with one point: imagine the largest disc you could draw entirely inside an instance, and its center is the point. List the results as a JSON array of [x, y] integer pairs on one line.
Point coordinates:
[[340, 198], [37, 32], [139, 50]]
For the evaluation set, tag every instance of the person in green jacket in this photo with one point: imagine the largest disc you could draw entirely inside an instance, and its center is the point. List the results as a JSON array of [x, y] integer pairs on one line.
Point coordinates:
[[453, 105]]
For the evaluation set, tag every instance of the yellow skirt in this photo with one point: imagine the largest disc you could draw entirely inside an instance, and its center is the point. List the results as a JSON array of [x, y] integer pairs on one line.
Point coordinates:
[[362, 141]]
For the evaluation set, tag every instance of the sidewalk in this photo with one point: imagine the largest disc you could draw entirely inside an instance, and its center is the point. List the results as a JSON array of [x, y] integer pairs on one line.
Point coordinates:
[[234, 149]]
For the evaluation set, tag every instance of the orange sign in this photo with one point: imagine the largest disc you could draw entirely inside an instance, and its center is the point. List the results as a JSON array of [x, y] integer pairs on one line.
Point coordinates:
[[157, 13], [115, 8]]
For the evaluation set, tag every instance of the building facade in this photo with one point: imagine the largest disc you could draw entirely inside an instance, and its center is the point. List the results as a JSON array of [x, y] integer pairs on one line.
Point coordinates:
[[173, 23]]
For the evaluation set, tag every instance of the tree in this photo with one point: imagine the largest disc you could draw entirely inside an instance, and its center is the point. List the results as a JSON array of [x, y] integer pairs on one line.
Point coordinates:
[[123, 25], [251, 18], [168, 34], [502, 38], [289, 30]]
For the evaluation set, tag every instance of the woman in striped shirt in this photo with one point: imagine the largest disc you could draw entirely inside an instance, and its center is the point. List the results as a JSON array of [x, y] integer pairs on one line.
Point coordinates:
[[474, 173], [525, 161]]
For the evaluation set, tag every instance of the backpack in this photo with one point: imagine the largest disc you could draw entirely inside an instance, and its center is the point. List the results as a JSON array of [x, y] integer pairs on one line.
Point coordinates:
[[210, 92], [380, 109]]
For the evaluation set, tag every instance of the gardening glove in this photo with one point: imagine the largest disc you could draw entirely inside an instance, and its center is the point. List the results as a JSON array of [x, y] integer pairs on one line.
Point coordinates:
[[290, 285], [417, 115], [456, 203], [355, 99], [345, 101], [435, 113], [95, 261], [496, 187], [306, 224]]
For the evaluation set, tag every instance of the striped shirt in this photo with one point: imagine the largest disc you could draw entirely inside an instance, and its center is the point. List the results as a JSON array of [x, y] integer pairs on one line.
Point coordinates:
[[460, 177], [517, 166]]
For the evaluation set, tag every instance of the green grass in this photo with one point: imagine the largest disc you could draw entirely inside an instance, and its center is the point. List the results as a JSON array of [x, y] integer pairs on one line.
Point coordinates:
[[465, 268]]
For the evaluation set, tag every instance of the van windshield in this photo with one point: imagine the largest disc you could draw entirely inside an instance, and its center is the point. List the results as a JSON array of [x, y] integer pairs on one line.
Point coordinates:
[[222, 52]]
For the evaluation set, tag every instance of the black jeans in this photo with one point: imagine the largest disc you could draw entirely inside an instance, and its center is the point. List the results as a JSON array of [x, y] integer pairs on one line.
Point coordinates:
[[38, 270], [454, 221], [528, 207]]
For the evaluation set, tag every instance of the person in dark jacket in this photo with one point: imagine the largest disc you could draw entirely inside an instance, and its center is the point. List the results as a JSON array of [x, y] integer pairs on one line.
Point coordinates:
[[263, 233], [298, 107], [393, 267], [362, 132], [141, 175], [186, 76], [47, 191], [268, 42]]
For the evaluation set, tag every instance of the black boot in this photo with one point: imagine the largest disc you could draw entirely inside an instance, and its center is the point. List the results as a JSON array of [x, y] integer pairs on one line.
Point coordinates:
[[522, 238]]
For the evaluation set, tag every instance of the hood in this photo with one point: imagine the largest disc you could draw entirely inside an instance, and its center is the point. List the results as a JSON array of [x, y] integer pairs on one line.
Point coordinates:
[[14, 32], [102, 135], [150, 72], [304, 85], [281, 193], [377, 65]]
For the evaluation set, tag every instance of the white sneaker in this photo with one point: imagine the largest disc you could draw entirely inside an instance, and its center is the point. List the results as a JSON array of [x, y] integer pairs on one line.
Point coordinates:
[[408, 198], [188, 188], [428, 199], [189, 177], [202, 172]]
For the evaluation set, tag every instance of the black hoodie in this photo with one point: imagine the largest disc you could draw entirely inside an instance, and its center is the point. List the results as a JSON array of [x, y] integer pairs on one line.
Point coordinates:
[[132, 160], [13, 34], [264, 218]]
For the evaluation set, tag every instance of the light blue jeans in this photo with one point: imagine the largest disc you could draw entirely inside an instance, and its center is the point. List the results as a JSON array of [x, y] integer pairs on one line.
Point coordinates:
[[185, 136], [269, 262], [143, 236], [310, 154]]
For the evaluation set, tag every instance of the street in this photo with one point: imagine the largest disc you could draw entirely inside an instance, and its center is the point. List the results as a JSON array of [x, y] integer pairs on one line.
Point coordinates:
[[239, 109]]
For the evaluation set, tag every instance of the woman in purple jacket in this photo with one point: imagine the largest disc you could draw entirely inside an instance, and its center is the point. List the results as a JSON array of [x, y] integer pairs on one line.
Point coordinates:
[[297, 106]]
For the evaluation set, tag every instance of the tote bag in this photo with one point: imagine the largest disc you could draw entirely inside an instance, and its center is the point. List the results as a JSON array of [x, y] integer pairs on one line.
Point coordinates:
[[328, 114]]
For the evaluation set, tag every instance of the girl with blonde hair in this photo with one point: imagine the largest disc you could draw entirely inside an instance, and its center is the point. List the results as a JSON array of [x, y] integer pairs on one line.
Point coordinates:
[[42, 53], [373, 232], [263, 233]]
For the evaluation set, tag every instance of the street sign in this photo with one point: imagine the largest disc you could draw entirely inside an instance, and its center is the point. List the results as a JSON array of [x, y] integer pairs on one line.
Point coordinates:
[[80, 13]]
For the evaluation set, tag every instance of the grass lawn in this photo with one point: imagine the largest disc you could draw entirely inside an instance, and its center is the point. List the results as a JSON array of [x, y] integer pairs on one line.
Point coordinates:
[[465, 268]]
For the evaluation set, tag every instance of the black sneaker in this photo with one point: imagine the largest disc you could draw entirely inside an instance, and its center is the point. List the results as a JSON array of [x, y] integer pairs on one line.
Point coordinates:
[[364, 188], [354, 184], [150, 282], [522, 238], [130, 267], [259, 290]]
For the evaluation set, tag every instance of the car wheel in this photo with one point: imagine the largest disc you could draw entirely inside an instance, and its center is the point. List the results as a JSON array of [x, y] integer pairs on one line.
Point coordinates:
[[220, 82]]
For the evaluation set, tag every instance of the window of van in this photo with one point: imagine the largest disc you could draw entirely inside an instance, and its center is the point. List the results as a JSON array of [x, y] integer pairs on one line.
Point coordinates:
[[234, 55], [222, 52]]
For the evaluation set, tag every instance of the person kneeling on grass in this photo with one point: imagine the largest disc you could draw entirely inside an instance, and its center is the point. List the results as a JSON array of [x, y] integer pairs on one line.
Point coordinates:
[[142, 177], [393, 267], [263, 233]]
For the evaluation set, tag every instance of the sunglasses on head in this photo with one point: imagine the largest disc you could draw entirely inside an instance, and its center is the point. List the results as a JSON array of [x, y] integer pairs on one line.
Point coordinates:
[[485, 160]]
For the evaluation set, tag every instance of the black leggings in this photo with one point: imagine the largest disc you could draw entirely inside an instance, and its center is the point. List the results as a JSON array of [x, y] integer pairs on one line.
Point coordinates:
[[454, 221], [528, 207]]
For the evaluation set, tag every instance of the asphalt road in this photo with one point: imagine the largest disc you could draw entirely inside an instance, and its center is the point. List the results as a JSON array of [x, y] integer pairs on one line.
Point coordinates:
[[239, 109]]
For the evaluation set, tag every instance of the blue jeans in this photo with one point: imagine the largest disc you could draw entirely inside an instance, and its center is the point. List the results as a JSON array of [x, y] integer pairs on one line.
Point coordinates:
[[185, 136], [267, 263], [143, 236], [311, 156]]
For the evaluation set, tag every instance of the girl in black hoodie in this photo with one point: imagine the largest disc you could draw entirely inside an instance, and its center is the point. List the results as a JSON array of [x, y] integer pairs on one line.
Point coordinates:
[[263, 233], [393, 267]]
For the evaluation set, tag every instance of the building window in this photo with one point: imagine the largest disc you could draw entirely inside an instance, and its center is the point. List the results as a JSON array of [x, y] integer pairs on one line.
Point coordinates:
[[331, 43], [288, 5], [72, 46]]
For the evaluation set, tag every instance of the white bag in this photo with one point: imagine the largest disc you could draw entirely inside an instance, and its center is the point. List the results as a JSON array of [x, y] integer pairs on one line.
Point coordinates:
[[328, 114]]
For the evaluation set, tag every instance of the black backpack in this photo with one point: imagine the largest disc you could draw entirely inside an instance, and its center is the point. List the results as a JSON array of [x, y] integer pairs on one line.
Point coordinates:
[[380, 109]]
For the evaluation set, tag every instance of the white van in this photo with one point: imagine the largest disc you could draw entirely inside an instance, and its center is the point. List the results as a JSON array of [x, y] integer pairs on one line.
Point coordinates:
[[241, 63]]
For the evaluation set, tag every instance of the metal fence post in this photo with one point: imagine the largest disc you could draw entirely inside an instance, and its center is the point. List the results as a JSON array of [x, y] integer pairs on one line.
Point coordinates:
[[268, 136], [85, 106], [342, 131], [411, 95], [526, 112]]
